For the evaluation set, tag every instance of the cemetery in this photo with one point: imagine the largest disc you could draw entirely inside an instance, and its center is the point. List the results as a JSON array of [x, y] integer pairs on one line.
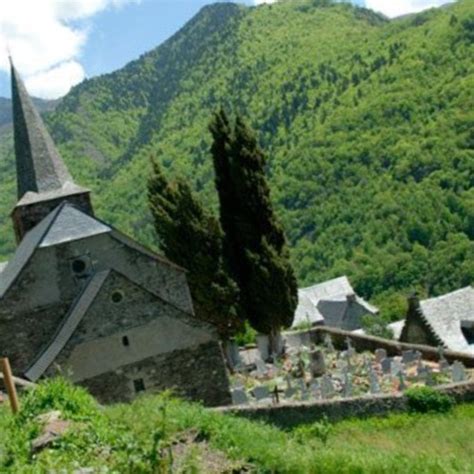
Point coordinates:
[[314, 373]]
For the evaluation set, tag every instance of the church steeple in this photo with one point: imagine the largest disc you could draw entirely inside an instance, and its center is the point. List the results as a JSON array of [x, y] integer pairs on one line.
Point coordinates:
[[43, 180], [39, 165]]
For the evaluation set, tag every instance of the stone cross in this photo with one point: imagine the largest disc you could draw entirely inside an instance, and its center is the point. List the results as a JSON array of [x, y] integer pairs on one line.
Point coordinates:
[[328, 343], [350, 349]]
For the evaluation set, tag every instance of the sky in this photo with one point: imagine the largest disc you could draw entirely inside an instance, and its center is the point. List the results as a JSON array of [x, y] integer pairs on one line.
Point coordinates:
[[55, 44]]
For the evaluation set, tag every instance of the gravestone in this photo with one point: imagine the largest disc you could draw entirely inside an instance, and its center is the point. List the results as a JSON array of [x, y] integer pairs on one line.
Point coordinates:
[[315, 390], [347, 384], [233, 354], [261, 392], [408, 356], [328, 343], [290, 391], [261, 367], [263, 345], [327, 387], [239, 397], [458, 372], [350, 350], [386, 365], [380, 355], [401, 381], [374, 383], [317, 364], [396, 367]]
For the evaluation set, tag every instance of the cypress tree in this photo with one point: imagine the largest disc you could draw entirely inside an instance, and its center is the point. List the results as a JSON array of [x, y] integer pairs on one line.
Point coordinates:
[[192, 237], [254, 243]]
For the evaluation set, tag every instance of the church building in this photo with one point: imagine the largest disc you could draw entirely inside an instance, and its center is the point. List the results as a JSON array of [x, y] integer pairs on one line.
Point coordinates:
[[81, 299]]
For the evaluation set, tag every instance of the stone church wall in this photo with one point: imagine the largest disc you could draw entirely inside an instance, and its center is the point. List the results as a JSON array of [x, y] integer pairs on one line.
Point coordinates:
[[196, 374]]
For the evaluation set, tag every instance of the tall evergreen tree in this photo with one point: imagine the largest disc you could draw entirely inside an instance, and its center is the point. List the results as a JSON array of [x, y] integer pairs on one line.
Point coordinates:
[[254, 243], [192, 237]]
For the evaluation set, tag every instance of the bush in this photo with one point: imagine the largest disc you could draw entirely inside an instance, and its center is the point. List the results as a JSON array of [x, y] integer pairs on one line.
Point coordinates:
[[427, 399]]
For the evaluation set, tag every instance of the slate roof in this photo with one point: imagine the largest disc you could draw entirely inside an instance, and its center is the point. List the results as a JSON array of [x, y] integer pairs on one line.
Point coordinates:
[[40, 168], [3, 266], [65, 223], [444, 315], [327, 300], [397, 328], [68, 326]]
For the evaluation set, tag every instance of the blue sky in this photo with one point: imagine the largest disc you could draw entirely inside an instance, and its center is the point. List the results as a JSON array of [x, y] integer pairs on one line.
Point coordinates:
[[62, 41]]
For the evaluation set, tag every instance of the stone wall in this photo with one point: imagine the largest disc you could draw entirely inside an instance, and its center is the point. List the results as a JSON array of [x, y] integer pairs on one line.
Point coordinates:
[[197, 374], [288, 416], [362, 342]]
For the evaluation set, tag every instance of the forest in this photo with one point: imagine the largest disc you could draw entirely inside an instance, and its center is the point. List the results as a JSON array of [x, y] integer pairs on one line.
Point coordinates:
[[368, 125]]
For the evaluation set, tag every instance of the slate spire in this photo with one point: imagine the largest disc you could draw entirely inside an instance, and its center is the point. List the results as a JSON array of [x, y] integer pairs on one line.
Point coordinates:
[[43, 181], [40, 167]]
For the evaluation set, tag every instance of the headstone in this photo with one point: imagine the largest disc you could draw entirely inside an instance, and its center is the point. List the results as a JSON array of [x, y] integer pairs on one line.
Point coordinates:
[[408, 356], [261, 367], [396, 367], [401, 381], [374, 383], [263, 345], [261, 392], [328, 343], [239, 397], [380, 355], [233, 354], [317, 364], [444, 366], [418, 356], [290, 392], [327, 387], [347, 384], [386, 365], [458, 372]]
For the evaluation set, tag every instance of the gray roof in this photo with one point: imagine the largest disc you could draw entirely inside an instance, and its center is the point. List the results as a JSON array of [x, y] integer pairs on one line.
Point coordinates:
[[327, 298], [64, 224], [3, 265], [40, 168], [444, 315], [69, 325]]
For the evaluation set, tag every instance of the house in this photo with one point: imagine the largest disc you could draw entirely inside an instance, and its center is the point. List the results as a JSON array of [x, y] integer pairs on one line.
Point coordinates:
[[446, 320], [331, 303], [80, 298]]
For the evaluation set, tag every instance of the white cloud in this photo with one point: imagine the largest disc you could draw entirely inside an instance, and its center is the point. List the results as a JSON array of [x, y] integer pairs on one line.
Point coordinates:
[[393, 8], [44, 41], [55, 82]]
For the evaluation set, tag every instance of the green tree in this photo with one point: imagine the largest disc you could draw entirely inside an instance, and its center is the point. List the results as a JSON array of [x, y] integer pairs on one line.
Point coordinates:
[[254, 243], [192, 237]]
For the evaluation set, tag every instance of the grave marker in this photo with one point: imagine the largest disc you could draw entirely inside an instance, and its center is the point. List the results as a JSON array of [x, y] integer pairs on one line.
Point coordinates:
[[239, 397], [380, 355]]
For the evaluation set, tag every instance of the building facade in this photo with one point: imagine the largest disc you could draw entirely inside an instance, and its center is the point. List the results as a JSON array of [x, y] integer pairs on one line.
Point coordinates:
[[82, 299]]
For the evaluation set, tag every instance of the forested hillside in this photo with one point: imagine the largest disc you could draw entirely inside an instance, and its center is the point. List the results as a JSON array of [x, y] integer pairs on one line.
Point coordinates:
[[368, 124]]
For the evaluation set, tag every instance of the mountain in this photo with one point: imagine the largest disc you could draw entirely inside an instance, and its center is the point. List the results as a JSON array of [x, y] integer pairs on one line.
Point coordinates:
[[368, 124]]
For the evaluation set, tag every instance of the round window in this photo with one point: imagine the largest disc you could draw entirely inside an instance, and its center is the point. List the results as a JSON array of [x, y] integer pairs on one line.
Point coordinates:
[[79, 266], [117, 296]]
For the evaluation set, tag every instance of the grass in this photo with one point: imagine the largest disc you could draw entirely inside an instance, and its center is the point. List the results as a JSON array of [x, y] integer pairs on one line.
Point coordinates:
[[142, 437]]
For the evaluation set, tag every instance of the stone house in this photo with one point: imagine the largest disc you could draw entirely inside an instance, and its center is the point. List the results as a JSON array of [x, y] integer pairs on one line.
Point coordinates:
[[332, 303], [80, 298], [446, 320]]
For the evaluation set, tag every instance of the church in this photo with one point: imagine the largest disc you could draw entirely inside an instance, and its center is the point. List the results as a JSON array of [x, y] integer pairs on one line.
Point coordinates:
[[81, 299]]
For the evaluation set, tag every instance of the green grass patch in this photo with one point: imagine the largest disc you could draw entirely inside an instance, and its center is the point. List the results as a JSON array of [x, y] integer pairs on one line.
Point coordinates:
[[138, 438]]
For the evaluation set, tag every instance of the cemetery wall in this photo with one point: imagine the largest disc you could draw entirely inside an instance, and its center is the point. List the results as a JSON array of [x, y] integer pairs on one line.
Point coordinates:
[[362, 342], [289, 415]]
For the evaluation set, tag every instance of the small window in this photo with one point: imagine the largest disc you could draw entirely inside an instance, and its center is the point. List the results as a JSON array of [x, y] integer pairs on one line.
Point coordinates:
[[79, 266], [117, 297], [125, 341], [467, 328], [139, 385]]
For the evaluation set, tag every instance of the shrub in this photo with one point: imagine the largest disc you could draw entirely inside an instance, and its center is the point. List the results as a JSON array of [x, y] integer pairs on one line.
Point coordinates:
[[427, 399]]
